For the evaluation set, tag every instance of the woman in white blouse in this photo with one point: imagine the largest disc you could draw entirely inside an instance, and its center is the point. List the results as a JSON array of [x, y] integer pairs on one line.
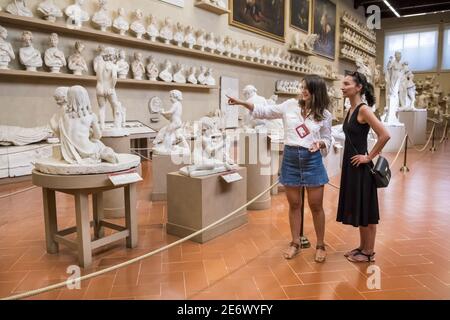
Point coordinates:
[[307, 126]]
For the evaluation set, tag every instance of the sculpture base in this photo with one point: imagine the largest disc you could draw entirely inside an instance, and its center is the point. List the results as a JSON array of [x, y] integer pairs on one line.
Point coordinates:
[[61, 167], [161, 166], [115, 132], [194, 203], [397, 133], [416, 124], [185, 171]]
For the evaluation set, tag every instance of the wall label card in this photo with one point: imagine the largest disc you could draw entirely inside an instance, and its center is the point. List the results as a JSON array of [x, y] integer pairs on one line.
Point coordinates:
[[232, 177], [125, 178]]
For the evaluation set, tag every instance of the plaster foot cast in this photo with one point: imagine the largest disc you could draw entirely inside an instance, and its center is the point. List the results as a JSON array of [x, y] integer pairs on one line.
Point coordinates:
[[53, 57], [210, 155], [29, 56], [6, 50], [170, 139], [76, 61], [49, 10], [106, 71], [81, 151], [76, 15]]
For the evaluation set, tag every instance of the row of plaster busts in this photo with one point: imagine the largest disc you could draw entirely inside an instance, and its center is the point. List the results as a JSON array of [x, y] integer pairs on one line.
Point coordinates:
[[217, 3], [353, 53], [352, 37], [305, 43], [287, 86], [356, 24]]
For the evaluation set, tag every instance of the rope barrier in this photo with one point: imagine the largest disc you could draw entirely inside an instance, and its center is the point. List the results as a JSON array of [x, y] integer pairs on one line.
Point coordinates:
[[334, 186], [140, 155], [444, 135], [17, 192], [399, 151], [131, 261], [428, 142]]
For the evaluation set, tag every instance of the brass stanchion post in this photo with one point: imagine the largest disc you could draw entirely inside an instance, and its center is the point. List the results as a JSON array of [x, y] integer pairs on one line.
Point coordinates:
[[405, 168], [433, 146]]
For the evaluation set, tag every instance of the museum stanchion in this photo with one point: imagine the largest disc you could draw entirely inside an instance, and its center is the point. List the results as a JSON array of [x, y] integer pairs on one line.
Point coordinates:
[[405, 168], [304, 242], [444, 135], [433, 145]]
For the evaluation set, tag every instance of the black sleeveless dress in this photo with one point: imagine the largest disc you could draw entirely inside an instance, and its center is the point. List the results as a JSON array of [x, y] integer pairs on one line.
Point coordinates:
[[358, 199]]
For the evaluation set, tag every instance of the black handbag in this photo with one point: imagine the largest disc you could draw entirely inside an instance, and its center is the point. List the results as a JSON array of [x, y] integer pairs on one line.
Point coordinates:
[[381, 172]]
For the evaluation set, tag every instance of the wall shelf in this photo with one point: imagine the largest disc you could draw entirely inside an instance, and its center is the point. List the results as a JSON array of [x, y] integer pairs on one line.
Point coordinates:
[[359, 48], [205, 5], [114, 38], [24, 75], [358, 31], [347, 59]]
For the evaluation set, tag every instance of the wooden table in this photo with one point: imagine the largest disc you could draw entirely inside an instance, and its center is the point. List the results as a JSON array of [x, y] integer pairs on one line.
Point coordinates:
[[81, 186]]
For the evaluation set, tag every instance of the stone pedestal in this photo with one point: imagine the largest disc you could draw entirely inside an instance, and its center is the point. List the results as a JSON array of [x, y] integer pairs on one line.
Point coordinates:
[[161, 166], [276, 154], [254, 154], [333, 160], [397, 134], [416, 125], [114, 200], [195, 203]]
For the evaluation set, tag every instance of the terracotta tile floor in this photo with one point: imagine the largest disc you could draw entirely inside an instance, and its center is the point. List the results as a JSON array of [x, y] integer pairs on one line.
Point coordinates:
[[413, 249]]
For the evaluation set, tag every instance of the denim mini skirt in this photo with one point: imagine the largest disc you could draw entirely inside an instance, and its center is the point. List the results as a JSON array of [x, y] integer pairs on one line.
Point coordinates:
[[302, 168]]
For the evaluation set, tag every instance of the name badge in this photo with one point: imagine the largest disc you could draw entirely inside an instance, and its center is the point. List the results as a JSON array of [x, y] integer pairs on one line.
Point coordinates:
[[302, 131]]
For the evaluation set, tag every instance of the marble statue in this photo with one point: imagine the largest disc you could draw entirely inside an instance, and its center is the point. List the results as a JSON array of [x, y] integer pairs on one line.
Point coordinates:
[[170, 139], [120, 23], [228, 46], [152, 69], [53, 57], [137, 66], [210, 155], [191, 77], [152, 28], [190, 37], [77, 64], [101, 18], [166, 73], [394, 77], [106, 71], [76, 15], [49, 10], [99, 51], [201, 42], [201, 78], [179, 76], [18, 136], [220, 47], [122, 65], [364, 69], [19, 8], [166, 32], [211, 42], [28, 55], [6, 50], [178, 36], [137, 26], [209, 79]]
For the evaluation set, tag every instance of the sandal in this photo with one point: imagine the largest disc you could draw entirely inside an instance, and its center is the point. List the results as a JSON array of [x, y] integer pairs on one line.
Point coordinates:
[[321, 254], [352, 252], [292, 251], [361, 257]]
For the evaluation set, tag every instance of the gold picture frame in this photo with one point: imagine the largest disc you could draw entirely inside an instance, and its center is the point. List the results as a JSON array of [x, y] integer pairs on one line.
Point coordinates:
[[240, 20], [310, 8]]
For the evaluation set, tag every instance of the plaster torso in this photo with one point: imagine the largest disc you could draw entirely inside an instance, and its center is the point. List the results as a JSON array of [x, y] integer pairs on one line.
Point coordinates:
[[106, 77], [152, 29], [54, 57], [152, 71], [122, 68], [49, 9], [101, 18], [121, 24], [166, 74], [179, 76], [77, 62], [30, 57], [19, 8], [6, 51], [166, 32], [77, 14], [138, 69], [137, 27]]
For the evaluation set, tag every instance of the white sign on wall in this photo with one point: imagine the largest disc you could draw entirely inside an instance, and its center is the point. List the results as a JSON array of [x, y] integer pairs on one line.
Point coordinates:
[[229, 86], [178, 3]]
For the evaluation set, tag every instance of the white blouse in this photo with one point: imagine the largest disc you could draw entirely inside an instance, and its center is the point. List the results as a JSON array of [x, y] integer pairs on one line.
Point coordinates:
[[290, 112]]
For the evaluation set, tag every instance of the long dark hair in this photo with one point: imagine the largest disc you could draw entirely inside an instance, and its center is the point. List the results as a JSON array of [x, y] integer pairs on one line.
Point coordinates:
[[319, 96], [367, 88]]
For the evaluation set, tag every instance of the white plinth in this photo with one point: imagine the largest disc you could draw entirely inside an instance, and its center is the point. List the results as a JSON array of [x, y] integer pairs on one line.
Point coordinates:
[[416, 125], [333, 160], [397, 133]]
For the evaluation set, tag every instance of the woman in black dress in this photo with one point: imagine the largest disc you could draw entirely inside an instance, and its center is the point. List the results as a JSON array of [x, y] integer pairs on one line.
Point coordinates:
[[358, 201]]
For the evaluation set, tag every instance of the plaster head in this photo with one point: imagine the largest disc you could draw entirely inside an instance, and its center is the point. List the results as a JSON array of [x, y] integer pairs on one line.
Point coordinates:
[[122, 54], [3, 33], [138, 56], [54, 39], [175, 95], [60, 96], [79, 46], [121, 12], [27, 37], [249, 91], [138, 13], [398, 55], [109, 53]]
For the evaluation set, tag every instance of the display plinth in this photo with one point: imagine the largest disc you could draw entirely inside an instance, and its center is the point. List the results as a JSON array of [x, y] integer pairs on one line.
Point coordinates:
[[161, 166], [81, 186], [114, 200], [254, 154], [416, 125], [397, 133], [195, 203], [333, 160], [276, 154]]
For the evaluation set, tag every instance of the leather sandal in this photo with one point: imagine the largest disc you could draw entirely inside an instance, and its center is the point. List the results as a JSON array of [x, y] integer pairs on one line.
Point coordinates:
[[321, 254], [352, 252], [292, 251], [361, 257]]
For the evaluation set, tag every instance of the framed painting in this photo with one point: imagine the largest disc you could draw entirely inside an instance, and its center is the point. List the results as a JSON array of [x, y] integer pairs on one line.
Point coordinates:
[[324, 25], [265, 17], [300, 14]]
